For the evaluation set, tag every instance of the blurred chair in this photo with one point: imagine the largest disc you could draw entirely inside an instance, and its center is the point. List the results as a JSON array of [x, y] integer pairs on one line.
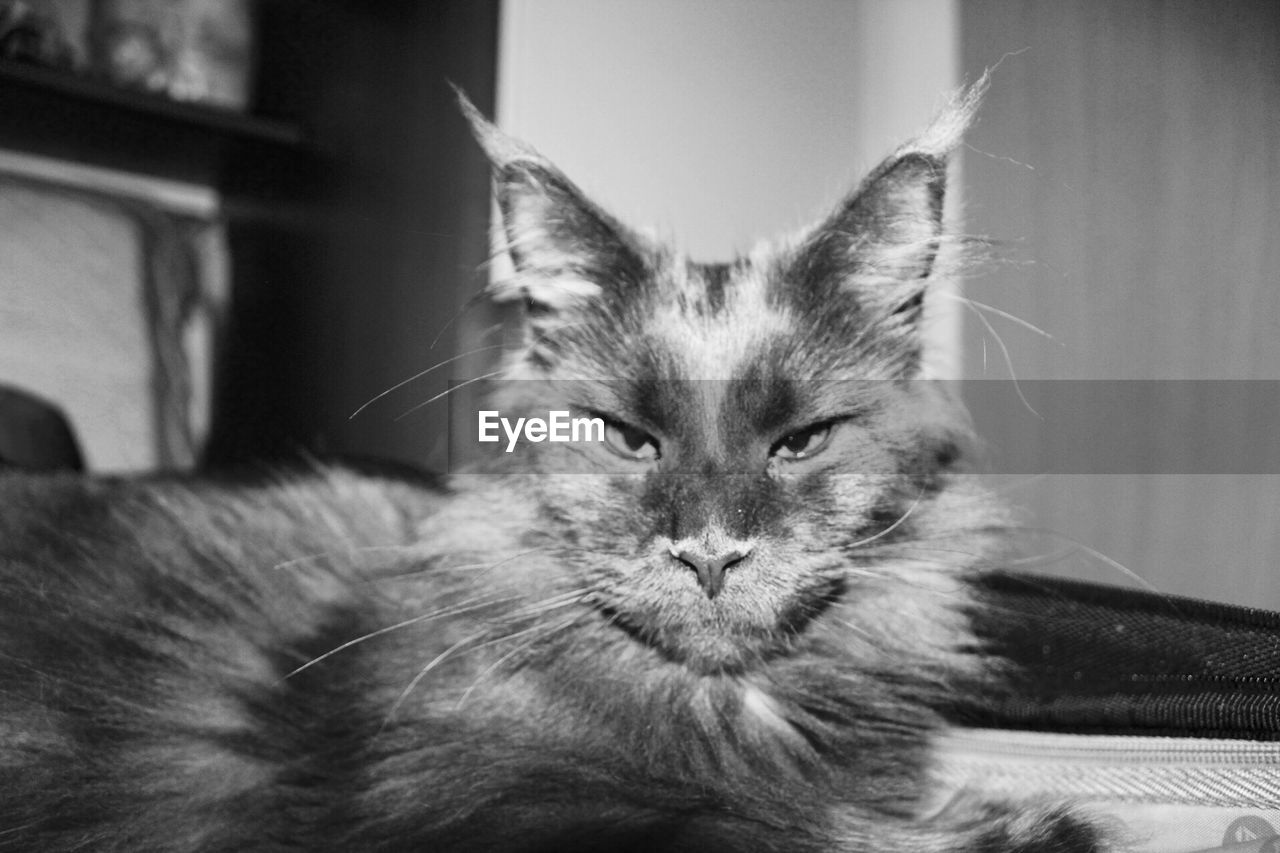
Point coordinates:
[[35, 434]]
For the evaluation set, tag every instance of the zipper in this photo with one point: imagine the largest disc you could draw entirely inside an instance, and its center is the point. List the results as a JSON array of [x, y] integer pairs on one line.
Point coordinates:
[[1128, 600], [1111, 768]]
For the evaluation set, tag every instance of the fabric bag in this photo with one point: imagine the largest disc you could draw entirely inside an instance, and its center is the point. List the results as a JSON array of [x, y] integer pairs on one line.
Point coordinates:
[[1158, 713]]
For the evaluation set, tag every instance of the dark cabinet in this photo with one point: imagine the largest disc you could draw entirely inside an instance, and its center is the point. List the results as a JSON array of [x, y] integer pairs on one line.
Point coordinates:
[[356, 208]]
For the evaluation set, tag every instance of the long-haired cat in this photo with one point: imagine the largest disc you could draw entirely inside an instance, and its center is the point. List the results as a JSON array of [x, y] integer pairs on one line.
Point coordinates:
[[729, 626]]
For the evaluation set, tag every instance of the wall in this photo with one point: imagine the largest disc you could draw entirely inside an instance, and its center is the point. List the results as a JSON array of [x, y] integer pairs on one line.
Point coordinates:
[[720, 121], [1128, 162]]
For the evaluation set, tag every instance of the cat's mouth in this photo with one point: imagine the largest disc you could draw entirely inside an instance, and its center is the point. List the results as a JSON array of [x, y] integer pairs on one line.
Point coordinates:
[[724, 637]]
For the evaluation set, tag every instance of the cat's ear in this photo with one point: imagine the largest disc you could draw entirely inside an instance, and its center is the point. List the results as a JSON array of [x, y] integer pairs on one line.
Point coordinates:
[[881, 244], [564, 247]]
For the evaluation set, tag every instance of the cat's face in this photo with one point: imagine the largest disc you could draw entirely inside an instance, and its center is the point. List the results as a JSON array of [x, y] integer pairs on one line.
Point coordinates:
[[766, 435]]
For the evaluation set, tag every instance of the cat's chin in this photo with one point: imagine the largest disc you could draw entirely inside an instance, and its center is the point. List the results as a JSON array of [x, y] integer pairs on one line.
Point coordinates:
[[706, 656], [709, 641]]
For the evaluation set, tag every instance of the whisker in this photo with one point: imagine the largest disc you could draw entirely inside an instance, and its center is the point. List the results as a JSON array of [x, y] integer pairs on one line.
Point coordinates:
[[1008, 360], [999, 157], [859, 572], [421, 374], [475, 299], [859, 630], [347, 552], [550, 603], [550, 630], [538, 609], [489, 331], [465, 606], [1091, 552], [484, 567], [931, 589], [1113, 563], [998, 312], [902, 518], [427, 566], [446, 393], [422, 673], [1045, 559], [912, 550]]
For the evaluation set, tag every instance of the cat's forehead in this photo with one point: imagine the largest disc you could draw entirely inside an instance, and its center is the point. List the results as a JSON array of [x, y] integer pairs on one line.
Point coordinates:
[[719, 320]]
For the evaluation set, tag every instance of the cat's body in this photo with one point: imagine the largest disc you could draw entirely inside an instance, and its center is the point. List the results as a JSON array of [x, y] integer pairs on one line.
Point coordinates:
[[727, 627]]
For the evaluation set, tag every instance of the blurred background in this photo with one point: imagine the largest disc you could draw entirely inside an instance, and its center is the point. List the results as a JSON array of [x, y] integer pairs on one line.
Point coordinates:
[[228, 227]]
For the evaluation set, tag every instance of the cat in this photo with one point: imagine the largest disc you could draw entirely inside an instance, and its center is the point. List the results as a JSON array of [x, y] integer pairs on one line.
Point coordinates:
[[728, 626]]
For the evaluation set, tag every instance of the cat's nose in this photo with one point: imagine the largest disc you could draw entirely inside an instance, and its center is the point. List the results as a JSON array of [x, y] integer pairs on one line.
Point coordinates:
[[711, 568]]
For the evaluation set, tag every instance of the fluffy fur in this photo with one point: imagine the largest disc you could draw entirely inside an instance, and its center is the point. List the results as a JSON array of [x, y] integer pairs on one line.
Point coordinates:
[[727, 628]]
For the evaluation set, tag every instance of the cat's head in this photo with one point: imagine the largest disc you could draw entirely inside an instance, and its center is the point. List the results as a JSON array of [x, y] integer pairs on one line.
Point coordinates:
[[763, 417]]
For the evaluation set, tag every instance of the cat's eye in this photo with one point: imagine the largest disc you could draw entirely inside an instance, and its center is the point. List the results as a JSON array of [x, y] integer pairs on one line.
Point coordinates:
[[630, 442], [803, 443]]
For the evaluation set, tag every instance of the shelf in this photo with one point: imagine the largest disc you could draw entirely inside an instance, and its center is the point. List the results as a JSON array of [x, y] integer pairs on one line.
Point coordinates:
[[64, 116]]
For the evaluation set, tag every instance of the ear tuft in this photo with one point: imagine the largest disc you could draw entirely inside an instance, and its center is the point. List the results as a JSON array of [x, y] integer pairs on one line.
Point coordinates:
[[944, 133], [565, 249], [880, 247], [498, 146], [883, 239]]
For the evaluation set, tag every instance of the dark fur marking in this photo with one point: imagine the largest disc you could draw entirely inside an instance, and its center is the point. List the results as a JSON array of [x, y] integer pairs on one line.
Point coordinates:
[[716, 277], [752, 505], [682, 500], [763, 402]]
